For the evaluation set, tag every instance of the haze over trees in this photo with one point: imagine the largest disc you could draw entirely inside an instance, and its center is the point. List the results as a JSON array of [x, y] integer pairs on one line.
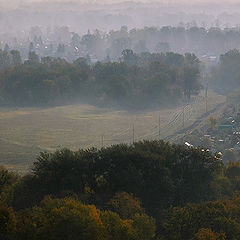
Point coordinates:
[[105, 60], [225, 77], [137, 81], [61, 41]]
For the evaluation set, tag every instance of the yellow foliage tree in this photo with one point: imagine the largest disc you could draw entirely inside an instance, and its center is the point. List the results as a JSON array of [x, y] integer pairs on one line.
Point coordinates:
[[125, 205], [208, 234], [7, 222]]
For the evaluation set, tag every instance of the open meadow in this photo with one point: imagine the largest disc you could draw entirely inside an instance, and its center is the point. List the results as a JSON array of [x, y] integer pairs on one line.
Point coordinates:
[[24, 132]]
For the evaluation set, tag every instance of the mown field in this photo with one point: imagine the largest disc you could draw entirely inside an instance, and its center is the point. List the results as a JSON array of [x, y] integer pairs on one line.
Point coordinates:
[[25, 132]]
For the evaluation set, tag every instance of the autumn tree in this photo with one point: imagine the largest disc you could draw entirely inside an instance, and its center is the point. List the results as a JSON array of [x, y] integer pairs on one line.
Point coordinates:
[[7, 223], [125, 205]]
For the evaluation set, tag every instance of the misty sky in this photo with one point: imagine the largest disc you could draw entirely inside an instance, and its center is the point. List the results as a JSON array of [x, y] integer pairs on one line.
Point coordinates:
[[219, 3], [7, 2], [18, 15]]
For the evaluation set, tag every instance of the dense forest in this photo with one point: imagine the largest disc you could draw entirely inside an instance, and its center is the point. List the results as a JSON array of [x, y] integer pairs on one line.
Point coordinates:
[[148, 190], [137, 81]]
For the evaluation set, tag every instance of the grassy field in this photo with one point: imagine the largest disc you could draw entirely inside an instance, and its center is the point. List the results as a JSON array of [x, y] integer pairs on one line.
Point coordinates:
[[26, 132]]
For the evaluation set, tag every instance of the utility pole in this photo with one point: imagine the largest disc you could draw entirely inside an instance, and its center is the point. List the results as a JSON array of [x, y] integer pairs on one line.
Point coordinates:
[[206, 96], [205, 77], [102, 140], [159, 126], [133, 134], [183, 116]]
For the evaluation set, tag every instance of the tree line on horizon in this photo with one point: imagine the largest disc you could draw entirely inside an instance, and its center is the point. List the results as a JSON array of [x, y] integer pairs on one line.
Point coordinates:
[[64, 43]]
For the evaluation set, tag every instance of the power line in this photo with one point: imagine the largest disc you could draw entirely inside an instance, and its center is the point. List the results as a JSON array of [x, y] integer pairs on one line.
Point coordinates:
[[177, 120]]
